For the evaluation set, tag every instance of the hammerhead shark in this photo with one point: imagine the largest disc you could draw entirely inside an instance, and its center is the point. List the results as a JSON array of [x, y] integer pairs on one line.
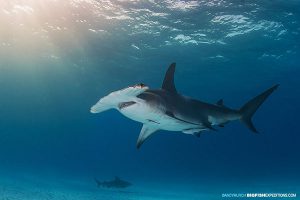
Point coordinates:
[[166, 109]]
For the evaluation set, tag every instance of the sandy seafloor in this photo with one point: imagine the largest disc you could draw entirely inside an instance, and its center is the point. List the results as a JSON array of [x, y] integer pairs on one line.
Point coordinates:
[[31, 187], [28, 189]]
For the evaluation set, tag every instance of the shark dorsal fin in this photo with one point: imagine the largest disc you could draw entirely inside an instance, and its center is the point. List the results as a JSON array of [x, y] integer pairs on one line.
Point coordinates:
[[168, 83], [220, 102]]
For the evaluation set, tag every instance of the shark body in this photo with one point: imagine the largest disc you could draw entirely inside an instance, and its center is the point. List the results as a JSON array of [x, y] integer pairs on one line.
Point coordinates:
[[166, 109], [116, 183]]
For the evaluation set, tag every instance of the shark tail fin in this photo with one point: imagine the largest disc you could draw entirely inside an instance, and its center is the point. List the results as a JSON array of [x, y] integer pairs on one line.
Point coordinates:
[[99, 183], [248, 110]]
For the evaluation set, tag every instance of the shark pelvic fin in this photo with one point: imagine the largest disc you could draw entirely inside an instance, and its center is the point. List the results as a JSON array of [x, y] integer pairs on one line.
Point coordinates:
[[168, 83], [208, 125], [145, 133]]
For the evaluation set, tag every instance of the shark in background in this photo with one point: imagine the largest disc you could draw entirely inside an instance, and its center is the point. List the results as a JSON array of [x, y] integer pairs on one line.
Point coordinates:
[[166, 109], [116, 183]]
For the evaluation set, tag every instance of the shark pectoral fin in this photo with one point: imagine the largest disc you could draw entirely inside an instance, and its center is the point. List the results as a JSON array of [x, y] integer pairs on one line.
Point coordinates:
[[145, 133]]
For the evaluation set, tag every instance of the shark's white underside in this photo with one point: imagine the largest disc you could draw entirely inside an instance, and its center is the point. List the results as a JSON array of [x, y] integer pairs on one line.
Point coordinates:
[[140, 111]]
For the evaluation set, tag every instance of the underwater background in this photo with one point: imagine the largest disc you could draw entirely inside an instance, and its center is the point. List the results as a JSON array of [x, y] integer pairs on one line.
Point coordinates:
[[57, 58]]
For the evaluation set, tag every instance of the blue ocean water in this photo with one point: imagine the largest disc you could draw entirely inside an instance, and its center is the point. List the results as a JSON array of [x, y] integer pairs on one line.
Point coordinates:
[[57, 58]]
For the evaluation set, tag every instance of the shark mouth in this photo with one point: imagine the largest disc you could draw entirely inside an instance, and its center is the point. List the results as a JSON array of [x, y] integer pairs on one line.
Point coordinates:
[[125, 104]]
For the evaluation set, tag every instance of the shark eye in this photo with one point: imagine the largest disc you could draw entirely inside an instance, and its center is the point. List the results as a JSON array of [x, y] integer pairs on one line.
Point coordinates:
[[140, 85]]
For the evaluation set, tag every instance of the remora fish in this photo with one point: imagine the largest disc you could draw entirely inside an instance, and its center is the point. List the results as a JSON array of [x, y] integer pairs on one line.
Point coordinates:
[[166, 109]]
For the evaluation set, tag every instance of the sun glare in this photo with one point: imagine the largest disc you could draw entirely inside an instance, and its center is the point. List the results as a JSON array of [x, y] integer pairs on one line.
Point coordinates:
[[37, 29]]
